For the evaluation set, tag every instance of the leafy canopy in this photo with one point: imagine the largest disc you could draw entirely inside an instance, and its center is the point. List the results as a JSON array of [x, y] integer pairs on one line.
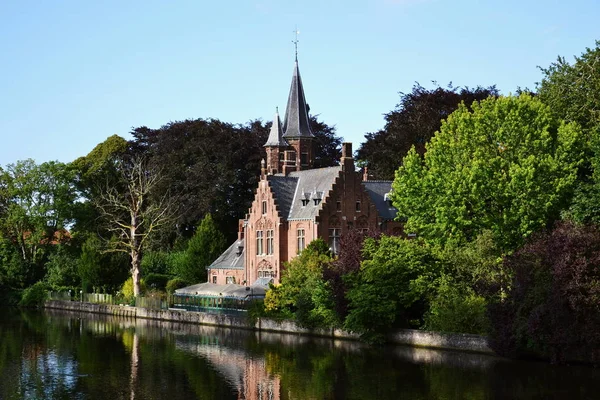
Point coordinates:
[[508, 166], [413, 123]]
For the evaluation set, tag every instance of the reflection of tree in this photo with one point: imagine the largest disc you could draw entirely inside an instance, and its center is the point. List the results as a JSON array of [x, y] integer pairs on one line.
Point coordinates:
[[134, 365]]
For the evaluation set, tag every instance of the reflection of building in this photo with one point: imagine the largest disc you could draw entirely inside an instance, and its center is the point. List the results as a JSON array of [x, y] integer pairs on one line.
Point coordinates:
[[247, 374], [296, 203]]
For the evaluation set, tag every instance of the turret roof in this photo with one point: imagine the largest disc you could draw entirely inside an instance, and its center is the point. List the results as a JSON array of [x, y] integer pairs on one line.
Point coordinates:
[[296, 123], [275, 135]]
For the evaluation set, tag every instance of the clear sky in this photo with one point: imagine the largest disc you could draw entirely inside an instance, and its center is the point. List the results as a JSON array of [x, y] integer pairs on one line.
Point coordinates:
[[73, 73]]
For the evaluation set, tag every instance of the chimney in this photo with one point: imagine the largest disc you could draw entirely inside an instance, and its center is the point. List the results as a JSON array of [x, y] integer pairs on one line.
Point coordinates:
[[347, 161], [365, 174]]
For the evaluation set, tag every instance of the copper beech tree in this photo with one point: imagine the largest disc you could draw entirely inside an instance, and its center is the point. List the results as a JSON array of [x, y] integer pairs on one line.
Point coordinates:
[[133, 210]]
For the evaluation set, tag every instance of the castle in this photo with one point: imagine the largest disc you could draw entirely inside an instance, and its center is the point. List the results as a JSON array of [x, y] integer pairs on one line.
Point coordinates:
[[296, 203]]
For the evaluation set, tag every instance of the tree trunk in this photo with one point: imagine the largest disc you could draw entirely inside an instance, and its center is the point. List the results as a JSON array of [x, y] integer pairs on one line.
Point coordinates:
[[135, 272]]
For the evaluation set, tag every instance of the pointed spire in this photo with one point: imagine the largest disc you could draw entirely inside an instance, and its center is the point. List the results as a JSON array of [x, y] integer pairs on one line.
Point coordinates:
[[275, 135], [296, 123]]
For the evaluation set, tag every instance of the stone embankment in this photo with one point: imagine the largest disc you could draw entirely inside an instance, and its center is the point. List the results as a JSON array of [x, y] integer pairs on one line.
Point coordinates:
[[462, 342]]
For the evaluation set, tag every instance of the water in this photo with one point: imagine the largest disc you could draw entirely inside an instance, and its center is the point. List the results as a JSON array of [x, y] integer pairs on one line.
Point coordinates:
[[61, 355]]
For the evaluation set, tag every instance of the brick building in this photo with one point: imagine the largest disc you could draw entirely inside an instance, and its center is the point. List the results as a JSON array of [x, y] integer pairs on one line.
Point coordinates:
[[296, 203]]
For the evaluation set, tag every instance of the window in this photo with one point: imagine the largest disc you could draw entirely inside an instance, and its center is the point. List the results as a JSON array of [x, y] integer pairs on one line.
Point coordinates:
[[338, 206], [259, 243], [266, 274], [270, 242], [357, 206], [215, 279], [229, 280], [304, 159], [334, 240], [264, 207], [305, 202], [301, 241]]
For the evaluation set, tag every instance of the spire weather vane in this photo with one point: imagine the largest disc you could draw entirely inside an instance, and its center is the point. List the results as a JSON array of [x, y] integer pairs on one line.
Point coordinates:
[[296, 32]]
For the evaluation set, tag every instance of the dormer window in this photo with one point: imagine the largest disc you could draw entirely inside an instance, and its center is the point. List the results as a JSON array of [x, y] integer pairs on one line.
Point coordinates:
[[305, 198], [317, 197]]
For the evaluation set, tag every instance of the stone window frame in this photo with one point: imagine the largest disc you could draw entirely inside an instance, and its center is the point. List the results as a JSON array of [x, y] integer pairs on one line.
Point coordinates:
[[301, 239], [259, 243], [270, 241]]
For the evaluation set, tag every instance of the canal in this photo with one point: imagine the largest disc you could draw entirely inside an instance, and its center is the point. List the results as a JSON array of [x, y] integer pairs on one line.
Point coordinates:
[[62, 355]]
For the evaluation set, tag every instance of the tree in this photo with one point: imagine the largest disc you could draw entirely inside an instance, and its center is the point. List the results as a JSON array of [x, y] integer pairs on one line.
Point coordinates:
[[36, 202], [552, 308], [573, 93], [413, 123], [136, 211], [573, 90], [507, 166], [94, 172], [99, 270], [303, 293], [210, 166], [214, 166], [203, 248], [392, 286], [328, 145]]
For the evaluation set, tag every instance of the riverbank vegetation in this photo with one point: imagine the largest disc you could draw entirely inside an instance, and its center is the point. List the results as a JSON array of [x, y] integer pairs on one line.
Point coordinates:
[[500, 196]]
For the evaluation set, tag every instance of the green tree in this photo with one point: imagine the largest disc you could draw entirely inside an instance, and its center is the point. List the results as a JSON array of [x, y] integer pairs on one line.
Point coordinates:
[[573, 90], [392, 287], [36, 204], [507, 166], [203, 248], [63, 268], [99, 270], [303, 293], [573, 93]]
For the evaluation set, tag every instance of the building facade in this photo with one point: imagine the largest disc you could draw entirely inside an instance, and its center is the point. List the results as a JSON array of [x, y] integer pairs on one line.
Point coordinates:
[[295, 203]]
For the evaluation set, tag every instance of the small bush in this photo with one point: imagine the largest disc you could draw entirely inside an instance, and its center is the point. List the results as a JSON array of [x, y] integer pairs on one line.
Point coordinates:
[[34, 296], [175, 284], [457, 308], [127, 289]]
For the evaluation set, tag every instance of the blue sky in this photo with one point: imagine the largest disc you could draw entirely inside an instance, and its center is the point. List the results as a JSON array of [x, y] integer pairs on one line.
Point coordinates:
[[73, 73]]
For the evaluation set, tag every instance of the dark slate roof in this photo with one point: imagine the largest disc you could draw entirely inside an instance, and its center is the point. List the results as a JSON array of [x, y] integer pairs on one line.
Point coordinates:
[[377, 191], [296, 123], [311, 184], [230, 259], [283, 188], [275, 135]]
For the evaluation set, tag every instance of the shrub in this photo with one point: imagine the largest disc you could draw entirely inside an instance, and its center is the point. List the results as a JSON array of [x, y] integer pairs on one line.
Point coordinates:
[[157, 281], [34, 296], [127, 289], [456, 308], [175, 284]]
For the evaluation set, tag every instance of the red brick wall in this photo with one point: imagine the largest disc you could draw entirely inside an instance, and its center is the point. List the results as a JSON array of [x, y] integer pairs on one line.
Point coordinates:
[[262, 222]]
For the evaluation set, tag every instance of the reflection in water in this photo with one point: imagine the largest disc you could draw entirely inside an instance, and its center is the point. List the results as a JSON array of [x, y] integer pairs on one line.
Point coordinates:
[[61, 355]]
